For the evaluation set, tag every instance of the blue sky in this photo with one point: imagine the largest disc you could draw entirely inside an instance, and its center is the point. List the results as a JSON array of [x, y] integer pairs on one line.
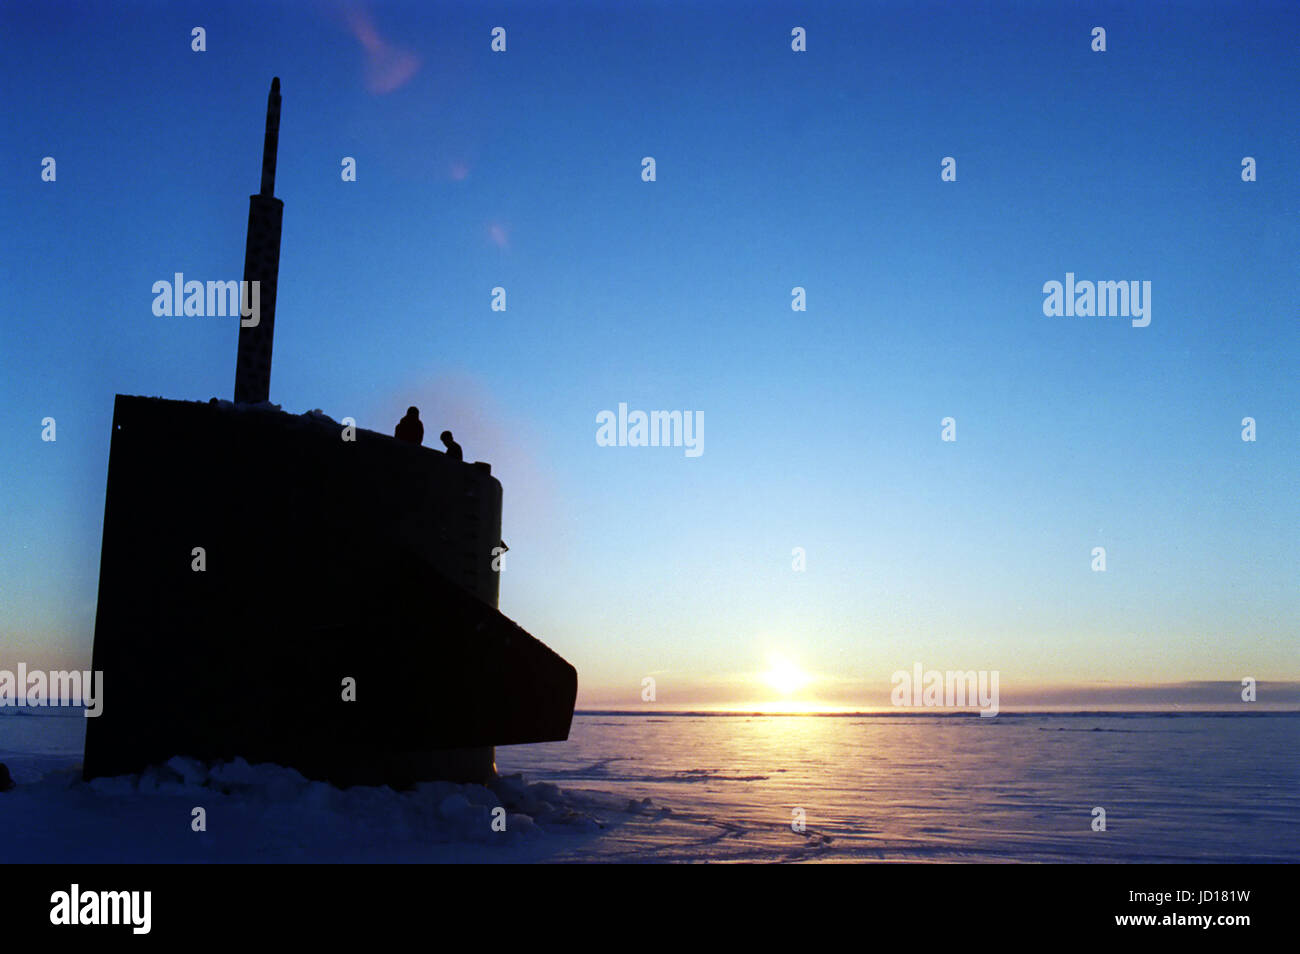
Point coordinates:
[[820, 169]]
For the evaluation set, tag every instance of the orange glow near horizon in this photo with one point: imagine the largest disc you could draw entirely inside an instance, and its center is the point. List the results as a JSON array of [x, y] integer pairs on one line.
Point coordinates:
[[784, 675]]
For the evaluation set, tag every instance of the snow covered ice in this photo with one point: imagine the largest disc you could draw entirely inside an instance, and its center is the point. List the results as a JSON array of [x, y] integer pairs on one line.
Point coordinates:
[[271, 813], [705, 788]]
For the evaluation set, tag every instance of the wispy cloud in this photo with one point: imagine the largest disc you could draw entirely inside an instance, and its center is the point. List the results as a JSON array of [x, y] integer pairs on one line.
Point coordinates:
[[388, 67]]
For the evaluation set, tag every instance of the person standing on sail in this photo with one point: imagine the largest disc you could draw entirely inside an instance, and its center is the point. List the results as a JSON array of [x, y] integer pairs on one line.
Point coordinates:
[[410, 428]]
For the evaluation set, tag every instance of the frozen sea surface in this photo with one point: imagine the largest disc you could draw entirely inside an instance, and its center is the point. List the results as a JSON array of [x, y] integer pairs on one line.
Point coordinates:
[[707, 788]]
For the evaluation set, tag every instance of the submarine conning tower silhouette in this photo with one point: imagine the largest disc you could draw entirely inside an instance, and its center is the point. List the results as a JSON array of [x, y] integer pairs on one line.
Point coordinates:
[[279, 588]]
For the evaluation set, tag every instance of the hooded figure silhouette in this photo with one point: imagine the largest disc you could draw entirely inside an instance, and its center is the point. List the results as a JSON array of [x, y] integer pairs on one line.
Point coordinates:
[[453, 449], [409, 427]]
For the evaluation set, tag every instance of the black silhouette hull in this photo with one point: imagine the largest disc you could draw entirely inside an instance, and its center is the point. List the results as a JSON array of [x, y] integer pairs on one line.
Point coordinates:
[[343, 621]]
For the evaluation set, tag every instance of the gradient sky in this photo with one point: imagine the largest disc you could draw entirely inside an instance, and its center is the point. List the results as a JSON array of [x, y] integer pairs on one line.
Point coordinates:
[[775, 169]]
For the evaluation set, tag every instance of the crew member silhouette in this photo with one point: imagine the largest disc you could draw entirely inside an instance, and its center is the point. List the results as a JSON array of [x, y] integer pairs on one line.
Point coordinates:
[[409, 428], [453, 449]]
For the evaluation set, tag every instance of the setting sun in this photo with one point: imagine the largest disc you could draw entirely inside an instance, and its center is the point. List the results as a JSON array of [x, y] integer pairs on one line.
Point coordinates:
[[784, 675]]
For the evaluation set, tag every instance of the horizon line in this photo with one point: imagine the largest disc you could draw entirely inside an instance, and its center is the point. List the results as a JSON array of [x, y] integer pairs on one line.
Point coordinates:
[[945, 713]]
